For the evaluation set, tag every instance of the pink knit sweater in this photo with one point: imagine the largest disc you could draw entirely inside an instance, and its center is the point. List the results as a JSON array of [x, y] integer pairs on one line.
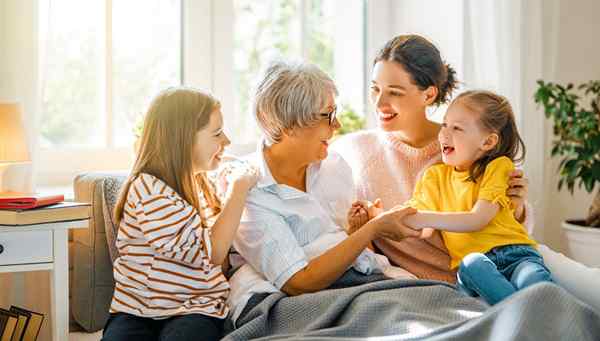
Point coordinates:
[[385, 167]]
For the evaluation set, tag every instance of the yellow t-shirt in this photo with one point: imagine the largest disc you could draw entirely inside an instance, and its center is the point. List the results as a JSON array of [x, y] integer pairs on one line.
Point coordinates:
[[443, 189]]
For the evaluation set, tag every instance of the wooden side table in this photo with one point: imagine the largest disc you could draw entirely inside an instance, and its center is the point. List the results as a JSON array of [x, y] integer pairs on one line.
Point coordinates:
[[42, 247]]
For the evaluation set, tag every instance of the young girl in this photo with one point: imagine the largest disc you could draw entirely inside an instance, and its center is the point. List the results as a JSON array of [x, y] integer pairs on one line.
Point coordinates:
[[466, 198], [174, 234]]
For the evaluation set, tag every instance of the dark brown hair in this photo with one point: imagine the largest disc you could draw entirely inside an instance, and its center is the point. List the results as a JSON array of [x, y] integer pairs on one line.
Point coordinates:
[[422, 60], [495, 115]]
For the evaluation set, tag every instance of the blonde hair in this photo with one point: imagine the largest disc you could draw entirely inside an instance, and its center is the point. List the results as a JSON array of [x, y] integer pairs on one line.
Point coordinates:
[[171, 123]]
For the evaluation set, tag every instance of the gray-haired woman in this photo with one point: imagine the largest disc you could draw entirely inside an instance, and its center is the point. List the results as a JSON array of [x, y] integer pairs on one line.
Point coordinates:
[[291, 236]]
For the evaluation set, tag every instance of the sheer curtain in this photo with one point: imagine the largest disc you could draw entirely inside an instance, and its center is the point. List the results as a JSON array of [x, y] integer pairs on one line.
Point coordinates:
[[503, 46], [504, 51], [20, 81]]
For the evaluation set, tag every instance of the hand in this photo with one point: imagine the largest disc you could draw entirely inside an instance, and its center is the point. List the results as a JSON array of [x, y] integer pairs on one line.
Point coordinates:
[[389, 224], [517, 192], [361, 212], [357, 216], [243, 178], [375, 209], [426, 233]]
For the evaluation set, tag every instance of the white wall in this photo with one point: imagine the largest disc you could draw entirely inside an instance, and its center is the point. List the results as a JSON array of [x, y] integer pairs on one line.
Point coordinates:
[[577, 59], [18, 82]]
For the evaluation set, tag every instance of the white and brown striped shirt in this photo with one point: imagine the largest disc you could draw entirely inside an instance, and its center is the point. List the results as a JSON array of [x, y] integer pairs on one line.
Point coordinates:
[[164, 268]]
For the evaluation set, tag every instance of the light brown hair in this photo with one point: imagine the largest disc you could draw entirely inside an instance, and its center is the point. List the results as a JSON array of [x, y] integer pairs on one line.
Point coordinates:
[[495, 115], [170, 125]]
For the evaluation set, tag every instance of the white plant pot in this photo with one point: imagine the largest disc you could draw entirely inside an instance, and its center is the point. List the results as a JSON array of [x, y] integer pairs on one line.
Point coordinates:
[[583, 243]]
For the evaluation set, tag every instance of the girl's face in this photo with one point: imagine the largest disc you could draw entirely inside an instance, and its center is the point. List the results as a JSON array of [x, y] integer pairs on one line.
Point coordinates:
[[315, 140], [396, 98], [209, 144], [462, 138]]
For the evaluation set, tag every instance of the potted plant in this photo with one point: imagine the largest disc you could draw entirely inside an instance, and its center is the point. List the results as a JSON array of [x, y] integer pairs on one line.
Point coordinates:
[[350, 121], [576, 128]]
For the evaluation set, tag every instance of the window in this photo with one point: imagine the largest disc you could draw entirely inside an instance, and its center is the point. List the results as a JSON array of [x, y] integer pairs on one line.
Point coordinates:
[[104, 62], [105, 59], [319, 31]]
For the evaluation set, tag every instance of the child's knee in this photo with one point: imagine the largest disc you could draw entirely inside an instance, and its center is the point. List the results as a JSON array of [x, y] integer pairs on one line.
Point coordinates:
[[473, 264]]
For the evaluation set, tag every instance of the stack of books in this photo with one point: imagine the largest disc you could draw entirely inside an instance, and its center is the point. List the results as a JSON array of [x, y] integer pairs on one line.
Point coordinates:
[[18, 324], [27, 209]]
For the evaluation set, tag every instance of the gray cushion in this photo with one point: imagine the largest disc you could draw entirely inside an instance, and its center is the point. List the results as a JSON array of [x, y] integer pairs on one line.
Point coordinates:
[[111, 187], [93, 283]]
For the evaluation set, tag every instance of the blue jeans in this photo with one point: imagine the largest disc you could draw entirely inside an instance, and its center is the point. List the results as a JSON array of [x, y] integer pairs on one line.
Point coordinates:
[[501, 272], [197, 327]]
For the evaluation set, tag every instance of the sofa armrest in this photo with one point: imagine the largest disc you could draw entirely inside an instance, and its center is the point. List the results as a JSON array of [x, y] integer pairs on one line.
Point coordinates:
[[93, 283]]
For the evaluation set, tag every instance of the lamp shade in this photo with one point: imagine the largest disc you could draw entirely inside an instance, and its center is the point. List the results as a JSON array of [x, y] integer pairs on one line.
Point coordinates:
[[13, 141]]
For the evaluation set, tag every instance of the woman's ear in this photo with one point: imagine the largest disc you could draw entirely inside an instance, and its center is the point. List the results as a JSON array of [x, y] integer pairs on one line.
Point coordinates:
[[490, 142], [430, 95]]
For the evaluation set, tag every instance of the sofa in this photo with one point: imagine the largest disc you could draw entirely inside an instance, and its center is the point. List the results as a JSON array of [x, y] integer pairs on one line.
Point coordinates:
[[92, 278]]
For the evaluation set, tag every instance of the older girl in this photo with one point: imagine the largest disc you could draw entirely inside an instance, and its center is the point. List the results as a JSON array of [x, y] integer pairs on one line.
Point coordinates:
[[174, 234]]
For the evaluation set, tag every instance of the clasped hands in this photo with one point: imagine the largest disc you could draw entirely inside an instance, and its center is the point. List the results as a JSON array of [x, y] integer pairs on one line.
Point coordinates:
[[390, 223]]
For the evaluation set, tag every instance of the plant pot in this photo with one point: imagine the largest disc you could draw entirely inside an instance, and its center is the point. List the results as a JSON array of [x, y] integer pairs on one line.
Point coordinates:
[[583, 242]]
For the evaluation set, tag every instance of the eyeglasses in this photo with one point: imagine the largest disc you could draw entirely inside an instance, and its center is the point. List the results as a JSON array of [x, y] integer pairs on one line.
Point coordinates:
[[330, 115]]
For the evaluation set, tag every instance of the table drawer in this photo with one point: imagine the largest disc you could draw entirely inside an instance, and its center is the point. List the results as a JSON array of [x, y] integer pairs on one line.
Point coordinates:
[[26, 247]]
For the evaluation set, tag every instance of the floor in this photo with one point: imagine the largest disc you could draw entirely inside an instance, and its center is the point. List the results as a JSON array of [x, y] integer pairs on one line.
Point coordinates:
[[79, 336]]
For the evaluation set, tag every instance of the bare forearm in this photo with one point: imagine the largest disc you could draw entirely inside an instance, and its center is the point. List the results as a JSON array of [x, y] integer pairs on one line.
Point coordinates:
[[224, 229], [322, 271], [447, 221]]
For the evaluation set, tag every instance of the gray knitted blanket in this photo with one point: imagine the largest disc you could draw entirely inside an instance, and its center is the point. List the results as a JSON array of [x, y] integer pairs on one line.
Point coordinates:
[[358, 307]]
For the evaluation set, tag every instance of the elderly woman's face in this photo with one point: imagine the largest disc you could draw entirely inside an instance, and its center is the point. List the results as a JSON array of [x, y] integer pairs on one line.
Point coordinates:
[[315, 140]]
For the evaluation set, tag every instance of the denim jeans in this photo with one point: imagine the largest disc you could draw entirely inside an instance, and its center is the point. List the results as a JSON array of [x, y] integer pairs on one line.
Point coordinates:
[[501, 272], [126, 327]]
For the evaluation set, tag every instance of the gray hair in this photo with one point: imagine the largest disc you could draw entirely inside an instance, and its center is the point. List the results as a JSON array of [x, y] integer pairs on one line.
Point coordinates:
[[290, 96]]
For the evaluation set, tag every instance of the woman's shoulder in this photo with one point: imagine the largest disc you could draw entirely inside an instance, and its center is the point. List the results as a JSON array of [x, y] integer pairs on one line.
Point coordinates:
[[359, 139], [358, 147]]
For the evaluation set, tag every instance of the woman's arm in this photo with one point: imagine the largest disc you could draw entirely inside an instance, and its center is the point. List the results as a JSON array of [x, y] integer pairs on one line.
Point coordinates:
[[322, 271], [478, 218]]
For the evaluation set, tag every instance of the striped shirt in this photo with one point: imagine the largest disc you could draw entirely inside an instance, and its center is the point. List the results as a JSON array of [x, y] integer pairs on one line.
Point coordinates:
[[164, 267]]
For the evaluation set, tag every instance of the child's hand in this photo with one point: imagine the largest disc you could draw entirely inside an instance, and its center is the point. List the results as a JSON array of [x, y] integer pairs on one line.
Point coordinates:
[[357, 216], [244, 178], [375, 209], [426, 232], [361, 212]]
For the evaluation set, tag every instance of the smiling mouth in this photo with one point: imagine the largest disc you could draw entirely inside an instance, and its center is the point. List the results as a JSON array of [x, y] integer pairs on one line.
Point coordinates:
[[447, 150], [386, 117]]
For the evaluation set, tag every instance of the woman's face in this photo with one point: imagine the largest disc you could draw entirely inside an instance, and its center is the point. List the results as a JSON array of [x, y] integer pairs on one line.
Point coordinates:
[[209, 144], [314, 140], [396, 98]]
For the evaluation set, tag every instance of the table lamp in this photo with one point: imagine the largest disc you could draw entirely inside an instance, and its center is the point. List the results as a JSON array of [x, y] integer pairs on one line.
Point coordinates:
[[15, 163]]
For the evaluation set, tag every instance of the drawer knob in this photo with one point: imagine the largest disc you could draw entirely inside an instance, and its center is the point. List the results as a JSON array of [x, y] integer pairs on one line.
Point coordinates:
[[1, 248]]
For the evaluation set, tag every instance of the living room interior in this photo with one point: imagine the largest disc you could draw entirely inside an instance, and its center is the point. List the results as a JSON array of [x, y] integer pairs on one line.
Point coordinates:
[[81, 75]]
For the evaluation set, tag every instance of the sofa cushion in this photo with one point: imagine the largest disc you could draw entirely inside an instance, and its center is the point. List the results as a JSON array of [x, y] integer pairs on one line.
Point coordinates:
[[111, 187], [93, 282]]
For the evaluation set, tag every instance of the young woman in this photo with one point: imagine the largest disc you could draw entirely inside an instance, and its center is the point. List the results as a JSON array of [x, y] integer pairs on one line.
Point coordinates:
[[408, 77]]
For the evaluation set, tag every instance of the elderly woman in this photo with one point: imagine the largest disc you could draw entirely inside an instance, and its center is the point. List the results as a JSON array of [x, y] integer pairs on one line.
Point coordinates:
[[291, 241], [292, 230]]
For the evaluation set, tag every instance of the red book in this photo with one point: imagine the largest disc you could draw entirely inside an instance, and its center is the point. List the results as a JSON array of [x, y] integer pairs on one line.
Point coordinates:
[[23, 201]]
